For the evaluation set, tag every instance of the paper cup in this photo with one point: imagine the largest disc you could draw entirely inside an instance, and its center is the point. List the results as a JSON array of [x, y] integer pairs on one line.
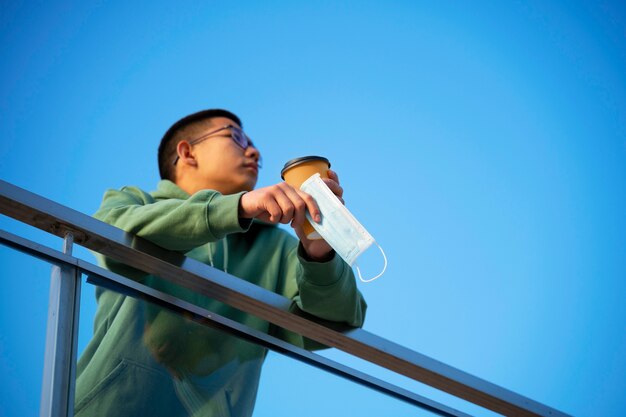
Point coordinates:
[[298, 170]]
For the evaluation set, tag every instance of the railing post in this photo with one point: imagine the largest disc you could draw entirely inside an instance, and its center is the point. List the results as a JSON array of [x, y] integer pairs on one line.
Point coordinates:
[[59, 373]]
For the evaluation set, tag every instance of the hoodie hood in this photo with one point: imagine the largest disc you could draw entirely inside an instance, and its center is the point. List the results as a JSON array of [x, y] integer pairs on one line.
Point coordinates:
[[167, 189]]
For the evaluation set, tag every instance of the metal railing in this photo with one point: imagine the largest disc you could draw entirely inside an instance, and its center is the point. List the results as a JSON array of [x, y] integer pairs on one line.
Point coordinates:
[[78, 228]]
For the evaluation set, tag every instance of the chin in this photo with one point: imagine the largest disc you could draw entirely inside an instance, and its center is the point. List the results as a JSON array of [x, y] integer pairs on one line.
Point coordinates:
[[251, 183], [247, 186]]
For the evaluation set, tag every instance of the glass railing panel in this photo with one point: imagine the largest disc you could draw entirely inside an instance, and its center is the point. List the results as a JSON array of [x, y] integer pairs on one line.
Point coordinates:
[[167, 353], [24, 293], [142, 359], [139, 358], [290, 387], [406, 383]]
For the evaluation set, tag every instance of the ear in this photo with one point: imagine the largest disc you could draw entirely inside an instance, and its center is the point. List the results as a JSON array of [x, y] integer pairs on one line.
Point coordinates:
[[185, 154]]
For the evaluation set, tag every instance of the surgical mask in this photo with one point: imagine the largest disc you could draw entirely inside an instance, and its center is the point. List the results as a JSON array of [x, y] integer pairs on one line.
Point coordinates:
[[338, 226]]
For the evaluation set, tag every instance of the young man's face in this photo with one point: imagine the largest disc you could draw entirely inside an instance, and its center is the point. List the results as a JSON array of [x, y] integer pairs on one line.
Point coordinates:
[[223, 165]]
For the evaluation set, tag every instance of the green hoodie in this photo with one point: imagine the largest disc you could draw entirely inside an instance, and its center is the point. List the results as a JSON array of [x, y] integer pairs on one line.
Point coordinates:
[[145, 360]]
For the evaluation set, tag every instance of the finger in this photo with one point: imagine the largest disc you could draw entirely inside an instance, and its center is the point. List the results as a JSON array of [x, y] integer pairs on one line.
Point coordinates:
[[312, 206], [299, 205], [333, 176], [334, 187], [273, 209], [286, 205]]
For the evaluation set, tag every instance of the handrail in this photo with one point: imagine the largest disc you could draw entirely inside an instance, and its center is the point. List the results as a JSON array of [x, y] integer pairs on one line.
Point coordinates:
[[143, 255]]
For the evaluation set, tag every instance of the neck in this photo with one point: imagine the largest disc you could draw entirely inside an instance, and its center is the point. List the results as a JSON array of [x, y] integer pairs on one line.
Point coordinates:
[[192, 185]]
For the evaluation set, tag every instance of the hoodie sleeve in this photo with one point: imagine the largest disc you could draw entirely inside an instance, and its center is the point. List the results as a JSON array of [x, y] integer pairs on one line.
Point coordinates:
[[174, 223], [326, 290], [323, 289]]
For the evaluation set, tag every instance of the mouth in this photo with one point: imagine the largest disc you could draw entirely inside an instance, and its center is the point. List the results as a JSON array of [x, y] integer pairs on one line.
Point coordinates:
[[252, 166]]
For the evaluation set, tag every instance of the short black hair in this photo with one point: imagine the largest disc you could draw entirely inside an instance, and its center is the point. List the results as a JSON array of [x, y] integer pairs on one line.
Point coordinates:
[[169, 141]]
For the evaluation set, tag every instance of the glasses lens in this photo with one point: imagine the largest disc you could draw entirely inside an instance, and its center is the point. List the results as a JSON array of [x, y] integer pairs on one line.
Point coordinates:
[[239, 137], [244, 141]]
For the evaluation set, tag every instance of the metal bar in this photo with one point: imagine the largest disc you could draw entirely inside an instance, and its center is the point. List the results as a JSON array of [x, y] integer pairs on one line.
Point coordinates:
[[57, 392], [105, 278], [143, 255]]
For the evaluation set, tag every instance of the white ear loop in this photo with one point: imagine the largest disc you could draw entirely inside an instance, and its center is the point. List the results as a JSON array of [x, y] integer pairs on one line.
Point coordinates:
[[377, 276]]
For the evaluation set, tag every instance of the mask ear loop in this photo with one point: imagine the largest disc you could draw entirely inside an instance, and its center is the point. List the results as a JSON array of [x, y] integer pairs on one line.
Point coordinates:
[[377, 276]]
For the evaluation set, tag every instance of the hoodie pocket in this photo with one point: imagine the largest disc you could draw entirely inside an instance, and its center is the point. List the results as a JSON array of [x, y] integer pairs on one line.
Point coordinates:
[[131, 389]]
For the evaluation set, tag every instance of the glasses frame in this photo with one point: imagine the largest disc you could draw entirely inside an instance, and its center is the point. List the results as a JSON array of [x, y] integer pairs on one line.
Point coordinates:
[[236, 134]]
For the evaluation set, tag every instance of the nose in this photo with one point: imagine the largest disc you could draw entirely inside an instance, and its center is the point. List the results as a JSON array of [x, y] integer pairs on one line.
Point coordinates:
[[253, 152]]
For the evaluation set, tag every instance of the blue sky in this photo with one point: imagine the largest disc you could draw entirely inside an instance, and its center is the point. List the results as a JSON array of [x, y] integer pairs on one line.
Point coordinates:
[[483, 144]]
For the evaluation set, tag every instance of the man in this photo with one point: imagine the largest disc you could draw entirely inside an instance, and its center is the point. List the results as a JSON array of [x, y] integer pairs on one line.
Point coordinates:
[[144, 360]]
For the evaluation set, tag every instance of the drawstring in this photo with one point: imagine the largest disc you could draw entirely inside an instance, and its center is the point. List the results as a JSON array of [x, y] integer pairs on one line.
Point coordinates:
[[225, 244], [210, 255], [225, 250]]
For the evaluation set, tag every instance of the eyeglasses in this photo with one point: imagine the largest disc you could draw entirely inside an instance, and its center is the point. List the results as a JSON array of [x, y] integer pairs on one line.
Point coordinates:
[[236, 134]]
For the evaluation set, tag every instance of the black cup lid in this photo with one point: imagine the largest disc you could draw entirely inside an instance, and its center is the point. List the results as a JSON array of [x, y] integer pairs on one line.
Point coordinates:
[[301, 160]]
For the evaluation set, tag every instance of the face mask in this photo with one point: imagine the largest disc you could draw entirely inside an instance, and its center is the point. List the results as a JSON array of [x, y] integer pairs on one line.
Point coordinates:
[[338, 226]]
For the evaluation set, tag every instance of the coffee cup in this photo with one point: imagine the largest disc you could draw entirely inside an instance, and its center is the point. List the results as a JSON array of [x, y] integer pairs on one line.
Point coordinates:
[[298, 170]]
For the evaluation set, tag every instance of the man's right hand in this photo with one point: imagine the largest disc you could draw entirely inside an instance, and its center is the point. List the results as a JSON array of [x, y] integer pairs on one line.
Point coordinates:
[[280, 203]]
